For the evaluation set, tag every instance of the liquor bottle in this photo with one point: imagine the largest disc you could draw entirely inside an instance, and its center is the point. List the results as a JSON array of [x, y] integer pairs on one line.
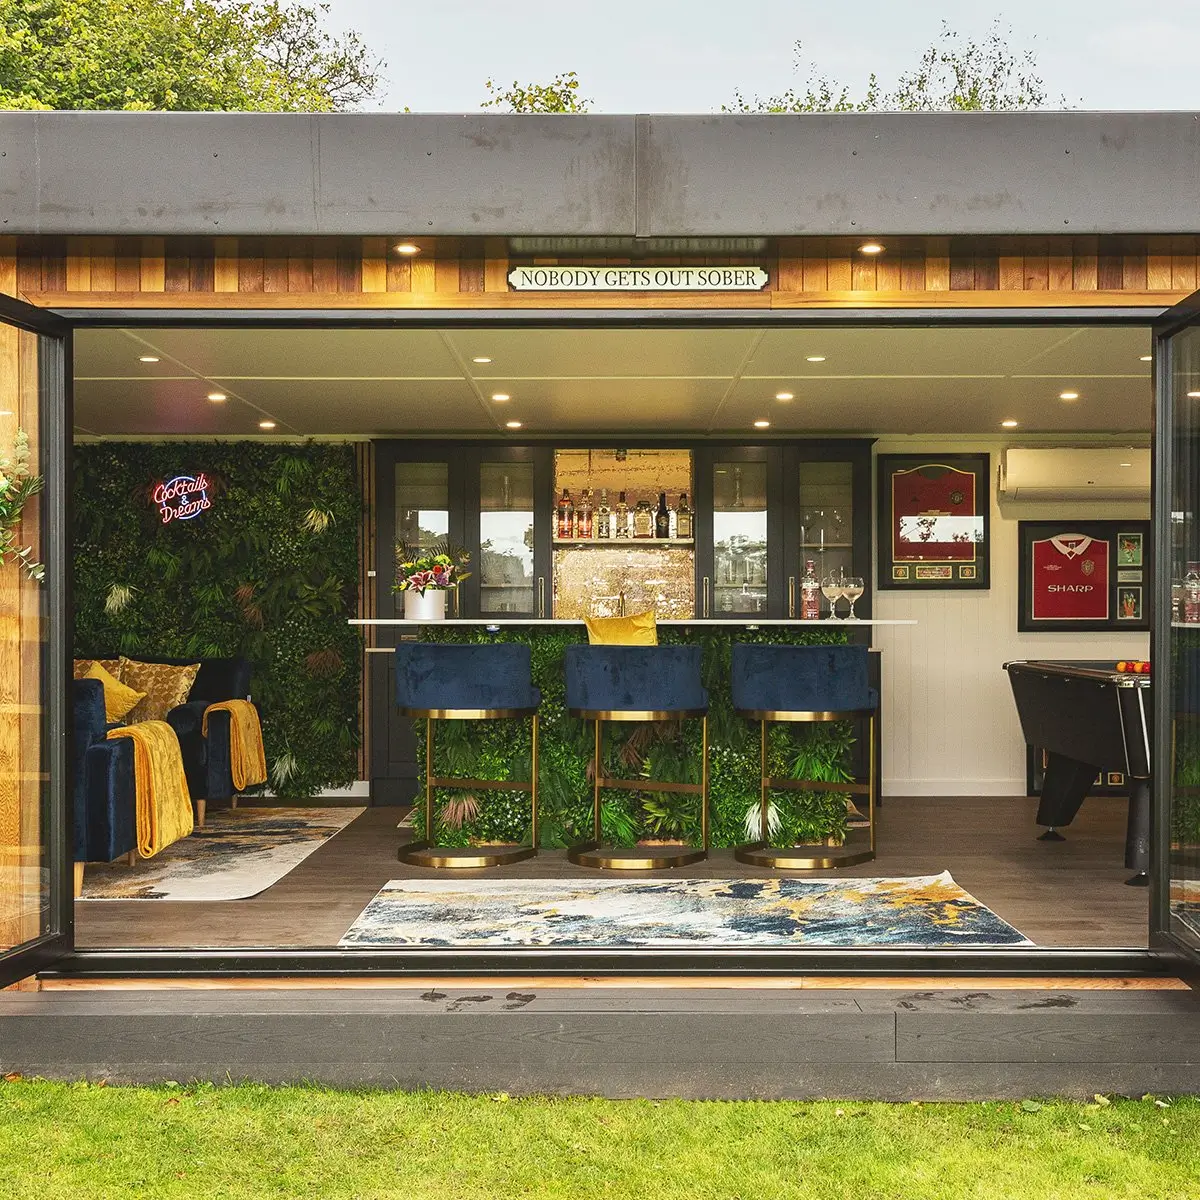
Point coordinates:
[[643, 519], [603, 516], [662, 518], [683, 518], [1191, 595], [810, 593], [566, 515], [583, 517], [621, 518]]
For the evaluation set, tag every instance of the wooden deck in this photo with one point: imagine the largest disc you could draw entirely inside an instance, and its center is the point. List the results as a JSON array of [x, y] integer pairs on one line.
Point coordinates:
[[1058, 894], [721, 1043]]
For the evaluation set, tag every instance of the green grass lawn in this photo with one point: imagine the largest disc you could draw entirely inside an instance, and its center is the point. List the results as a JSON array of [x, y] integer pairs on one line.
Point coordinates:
[[79, 1141]]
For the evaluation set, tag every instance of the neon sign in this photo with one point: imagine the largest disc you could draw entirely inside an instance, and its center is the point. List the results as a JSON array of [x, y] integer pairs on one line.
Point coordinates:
[[183, 498]]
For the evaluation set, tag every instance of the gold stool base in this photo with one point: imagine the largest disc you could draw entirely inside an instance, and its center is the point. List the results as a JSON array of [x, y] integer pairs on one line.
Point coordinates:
[[462, 858], [804, 858], [637, 858]]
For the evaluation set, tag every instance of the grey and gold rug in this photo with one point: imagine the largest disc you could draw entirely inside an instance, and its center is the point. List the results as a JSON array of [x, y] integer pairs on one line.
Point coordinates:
[[922, 911], [239, 853]]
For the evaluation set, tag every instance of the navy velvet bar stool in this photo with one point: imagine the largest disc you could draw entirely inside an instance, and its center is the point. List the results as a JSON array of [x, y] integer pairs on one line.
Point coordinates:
[[805, 683], [467, 683], [637, 683]]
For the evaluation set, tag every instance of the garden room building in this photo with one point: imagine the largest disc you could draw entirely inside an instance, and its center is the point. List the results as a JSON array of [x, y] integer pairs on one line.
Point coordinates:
[[514, 547]]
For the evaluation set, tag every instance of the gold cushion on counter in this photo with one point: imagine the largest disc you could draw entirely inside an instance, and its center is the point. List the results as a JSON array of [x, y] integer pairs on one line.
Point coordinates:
[[639, 629]]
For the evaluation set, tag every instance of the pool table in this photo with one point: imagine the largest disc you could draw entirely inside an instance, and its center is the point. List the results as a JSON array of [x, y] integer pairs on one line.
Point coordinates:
[[1088, 717]]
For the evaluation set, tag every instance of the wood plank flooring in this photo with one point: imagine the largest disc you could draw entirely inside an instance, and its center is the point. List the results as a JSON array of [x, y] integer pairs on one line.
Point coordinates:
[[1058, 894]]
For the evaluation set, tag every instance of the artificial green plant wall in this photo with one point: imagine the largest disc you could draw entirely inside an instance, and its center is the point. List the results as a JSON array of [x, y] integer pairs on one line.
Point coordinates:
[[268, 572]]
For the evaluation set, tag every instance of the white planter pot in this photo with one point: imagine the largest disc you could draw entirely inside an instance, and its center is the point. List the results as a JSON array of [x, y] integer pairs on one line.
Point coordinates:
[[429, 607]]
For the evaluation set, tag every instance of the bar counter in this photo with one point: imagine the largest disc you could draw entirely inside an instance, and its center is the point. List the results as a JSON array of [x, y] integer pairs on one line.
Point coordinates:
[[501, 749]]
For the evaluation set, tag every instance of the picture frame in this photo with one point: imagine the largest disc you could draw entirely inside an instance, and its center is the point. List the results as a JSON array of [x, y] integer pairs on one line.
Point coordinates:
[[1075, 576], [934, 514]]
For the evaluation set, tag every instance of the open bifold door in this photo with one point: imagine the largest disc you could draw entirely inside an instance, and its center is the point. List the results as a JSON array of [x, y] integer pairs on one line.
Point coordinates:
[[35, 819], [1175, 857]]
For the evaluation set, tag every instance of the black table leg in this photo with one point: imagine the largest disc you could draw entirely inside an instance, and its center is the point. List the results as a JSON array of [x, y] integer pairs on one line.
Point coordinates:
[[1137, 833], [1064, 789]]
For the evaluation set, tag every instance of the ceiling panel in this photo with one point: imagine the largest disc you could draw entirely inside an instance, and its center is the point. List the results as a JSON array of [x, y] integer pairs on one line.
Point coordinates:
[[165, 407], [572, 353]]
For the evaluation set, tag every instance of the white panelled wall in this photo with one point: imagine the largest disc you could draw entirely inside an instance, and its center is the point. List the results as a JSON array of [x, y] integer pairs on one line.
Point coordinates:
[[949, 724]]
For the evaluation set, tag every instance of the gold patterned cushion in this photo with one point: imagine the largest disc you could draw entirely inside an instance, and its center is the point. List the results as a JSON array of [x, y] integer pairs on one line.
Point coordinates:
[[111, 665], [165, 687], [119, 698], [639, 629]]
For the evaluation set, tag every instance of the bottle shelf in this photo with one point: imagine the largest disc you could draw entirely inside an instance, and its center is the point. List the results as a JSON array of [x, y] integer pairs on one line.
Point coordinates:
[[625, 541]]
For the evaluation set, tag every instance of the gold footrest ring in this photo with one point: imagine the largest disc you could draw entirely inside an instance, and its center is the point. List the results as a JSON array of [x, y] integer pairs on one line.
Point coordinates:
[[462, 858], [636, 858], [803, 858]]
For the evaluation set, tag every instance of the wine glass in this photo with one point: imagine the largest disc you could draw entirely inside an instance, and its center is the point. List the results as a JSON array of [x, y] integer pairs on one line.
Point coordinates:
[[832, 588], [852, 591]]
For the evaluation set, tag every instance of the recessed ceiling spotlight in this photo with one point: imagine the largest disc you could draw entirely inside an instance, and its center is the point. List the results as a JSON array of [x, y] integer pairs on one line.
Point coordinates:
[[266, 424], [217, 397], [482, 358], [1010, 423], [815, 358], [149, 358], [1068, 395], [785, 395], [6, 412], [762, 424], [513, 424], [1147, 358], [1194, 395], [1127, 464], [500, 396], [870, 248], [408, 248]]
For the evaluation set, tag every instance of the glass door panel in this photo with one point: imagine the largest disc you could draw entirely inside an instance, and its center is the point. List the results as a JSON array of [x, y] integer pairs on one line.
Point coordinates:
[[826, 513], [422, 508], [739, 538], [35, 829], [506, 538], [1179, 374]]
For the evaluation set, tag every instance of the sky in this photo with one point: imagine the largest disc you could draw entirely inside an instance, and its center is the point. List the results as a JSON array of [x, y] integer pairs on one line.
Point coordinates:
[[691, 55]]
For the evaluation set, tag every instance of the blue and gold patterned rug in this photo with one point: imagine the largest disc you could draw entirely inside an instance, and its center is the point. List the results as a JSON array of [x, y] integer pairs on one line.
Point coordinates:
[[923, 911], [239, 853]]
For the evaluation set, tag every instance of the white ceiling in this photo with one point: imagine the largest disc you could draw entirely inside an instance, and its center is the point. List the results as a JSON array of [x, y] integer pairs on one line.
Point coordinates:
[[388, 382]]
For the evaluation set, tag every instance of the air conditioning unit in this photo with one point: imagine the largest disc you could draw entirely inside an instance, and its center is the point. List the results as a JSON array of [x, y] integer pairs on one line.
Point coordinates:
[[1086, 473]]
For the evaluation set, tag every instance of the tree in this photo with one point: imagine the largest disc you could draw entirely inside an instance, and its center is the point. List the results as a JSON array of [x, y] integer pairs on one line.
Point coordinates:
[[197, 55], [955, 74], [561, 95]]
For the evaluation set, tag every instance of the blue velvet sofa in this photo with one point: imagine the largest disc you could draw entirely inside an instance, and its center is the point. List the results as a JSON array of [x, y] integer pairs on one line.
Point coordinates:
[[104, 799]]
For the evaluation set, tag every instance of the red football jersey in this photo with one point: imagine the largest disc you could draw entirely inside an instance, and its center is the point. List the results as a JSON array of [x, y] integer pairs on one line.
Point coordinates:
[[933, 515], [1070, 579]]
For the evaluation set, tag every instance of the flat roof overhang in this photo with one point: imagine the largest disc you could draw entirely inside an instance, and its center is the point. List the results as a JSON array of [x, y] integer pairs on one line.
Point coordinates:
[[188, 174]]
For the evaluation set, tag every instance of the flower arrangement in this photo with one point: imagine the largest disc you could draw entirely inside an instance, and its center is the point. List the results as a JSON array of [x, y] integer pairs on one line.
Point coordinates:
[[17, 484], [435, 568]]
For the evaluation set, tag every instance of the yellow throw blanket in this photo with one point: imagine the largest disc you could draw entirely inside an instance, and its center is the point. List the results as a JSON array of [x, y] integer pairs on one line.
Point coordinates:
[[164, 807], [248, 759]]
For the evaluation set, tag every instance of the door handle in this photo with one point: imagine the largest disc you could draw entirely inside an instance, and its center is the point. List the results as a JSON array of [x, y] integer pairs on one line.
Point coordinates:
[[791, 597], [704, 602], [541, 597]]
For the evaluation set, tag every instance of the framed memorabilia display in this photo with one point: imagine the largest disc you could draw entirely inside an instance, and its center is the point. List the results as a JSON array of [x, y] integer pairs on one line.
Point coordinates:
[[933, 521], [1078, 575]]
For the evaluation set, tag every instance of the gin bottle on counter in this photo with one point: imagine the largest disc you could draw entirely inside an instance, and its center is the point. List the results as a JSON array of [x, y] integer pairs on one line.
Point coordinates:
[[621, 518], [603, 516], [683, 518], [810, 593], [643, 520]]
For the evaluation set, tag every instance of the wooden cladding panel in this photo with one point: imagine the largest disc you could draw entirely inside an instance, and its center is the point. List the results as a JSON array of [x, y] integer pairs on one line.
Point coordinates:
[[801, 269]]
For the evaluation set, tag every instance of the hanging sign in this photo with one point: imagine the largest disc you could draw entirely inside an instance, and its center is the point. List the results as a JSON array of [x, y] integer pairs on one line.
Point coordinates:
[[183, 498], [637, 279]]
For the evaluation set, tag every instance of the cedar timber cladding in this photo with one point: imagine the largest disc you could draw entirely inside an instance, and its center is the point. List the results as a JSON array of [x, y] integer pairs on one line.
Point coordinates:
[[366, 272]]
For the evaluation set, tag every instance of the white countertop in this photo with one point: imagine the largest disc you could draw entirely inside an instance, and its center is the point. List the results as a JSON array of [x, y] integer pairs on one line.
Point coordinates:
[[747, 622]]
